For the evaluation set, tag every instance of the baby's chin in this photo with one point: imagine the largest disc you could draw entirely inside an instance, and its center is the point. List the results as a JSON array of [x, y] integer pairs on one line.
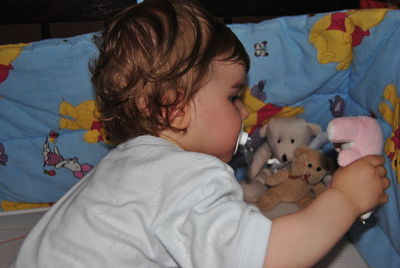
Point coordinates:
[[227, 160], [227, 157]]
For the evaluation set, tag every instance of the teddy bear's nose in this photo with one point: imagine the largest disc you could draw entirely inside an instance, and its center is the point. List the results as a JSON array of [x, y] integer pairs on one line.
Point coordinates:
[[284, 158]]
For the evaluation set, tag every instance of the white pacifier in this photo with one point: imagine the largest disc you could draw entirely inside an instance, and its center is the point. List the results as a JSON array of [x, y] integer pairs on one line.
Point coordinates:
[[242, 139]]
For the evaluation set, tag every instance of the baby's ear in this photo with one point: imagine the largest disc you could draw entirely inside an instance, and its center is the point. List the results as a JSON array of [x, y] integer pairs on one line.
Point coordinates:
[[142, 105], [180, 117]]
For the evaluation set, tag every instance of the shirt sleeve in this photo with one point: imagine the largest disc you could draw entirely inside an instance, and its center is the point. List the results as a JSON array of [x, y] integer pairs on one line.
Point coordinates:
[[213, 227]]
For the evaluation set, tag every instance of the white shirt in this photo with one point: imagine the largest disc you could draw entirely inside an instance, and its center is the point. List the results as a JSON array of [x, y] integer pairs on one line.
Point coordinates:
[[149, 203]]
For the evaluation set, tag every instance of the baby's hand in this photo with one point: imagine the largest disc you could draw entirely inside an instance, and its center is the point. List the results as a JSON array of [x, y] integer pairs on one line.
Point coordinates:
[[363, 183]]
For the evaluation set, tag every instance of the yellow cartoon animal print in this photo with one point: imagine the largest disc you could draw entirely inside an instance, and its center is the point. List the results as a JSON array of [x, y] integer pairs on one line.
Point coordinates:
[[83, 116], [8, 53], [335, 35], [260, 112], [390, 111]]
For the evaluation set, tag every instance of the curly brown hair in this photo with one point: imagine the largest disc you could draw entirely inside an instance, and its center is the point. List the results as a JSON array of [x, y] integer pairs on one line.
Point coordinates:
[[153, 58]]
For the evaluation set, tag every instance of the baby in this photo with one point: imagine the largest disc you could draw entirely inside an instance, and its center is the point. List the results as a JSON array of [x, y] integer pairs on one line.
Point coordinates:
[[168, 82]]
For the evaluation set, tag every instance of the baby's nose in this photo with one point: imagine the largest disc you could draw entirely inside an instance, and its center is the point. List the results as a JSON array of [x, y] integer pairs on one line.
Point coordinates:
[[244, 113]]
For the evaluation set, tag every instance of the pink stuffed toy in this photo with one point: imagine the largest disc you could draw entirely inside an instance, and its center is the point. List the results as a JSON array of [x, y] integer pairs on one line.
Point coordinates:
[[358, 136]]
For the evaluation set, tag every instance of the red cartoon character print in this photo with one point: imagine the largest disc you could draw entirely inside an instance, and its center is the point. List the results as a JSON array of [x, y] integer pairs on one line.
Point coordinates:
[[53, 158]]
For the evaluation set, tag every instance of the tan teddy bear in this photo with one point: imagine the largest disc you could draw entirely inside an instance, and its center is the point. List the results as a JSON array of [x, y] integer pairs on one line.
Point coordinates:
[[299, 184], [282, 136]]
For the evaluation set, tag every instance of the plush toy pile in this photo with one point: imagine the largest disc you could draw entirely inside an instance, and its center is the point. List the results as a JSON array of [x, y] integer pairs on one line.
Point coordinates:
[[300, 183], [284, 168], [298, 172], [282, 137]]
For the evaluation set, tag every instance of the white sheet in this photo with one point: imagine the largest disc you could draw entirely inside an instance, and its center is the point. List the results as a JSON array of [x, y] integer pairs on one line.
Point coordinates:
[[14, 226]]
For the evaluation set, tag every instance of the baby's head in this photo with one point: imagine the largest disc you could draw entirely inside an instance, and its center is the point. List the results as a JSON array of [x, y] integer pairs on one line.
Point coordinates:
[[154, 57]]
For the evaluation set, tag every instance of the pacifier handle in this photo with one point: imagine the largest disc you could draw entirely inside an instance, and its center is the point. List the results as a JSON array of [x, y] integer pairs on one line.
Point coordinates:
[[242, 140]]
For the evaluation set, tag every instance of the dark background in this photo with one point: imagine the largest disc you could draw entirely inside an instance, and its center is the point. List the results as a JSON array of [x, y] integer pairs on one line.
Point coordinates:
[[32, 20]]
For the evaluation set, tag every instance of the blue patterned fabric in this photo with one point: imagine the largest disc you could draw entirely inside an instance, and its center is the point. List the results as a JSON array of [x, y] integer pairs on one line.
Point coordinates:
[[41, 159]]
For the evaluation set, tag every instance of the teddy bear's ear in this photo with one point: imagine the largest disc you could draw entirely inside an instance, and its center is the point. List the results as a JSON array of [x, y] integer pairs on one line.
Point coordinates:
[[264, 129], [314, 128], [301, 149]]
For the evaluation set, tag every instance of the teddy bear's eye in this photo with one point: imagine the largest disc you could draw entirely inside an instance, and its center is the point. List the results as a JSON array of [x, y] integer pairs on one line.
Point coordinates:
[[309, 165], [292, 141], [279, 140], [319, 169]]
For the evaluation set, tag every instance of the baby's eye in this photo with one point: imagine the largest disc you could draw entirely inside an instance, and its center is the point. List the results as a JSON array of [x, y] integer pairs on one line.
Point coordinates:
[[234, 98]]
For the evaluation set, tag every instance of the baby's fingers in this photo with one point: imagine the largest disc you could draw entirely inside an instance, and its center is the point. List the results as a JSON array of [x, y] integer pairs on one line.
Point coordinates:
[[375, 160], [385, 183], [381, 171], [384, 197]]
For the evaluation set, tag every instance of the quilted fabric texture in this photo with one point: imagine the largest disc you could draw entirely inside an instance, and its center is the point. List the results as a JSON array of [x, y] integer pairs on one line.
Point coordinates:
[[318, 67]]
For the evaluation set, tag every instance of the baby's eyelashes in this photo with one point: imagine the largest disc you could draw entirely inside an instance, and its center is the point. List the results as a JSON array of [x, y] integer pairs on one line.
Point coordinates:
[[235, 98]]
